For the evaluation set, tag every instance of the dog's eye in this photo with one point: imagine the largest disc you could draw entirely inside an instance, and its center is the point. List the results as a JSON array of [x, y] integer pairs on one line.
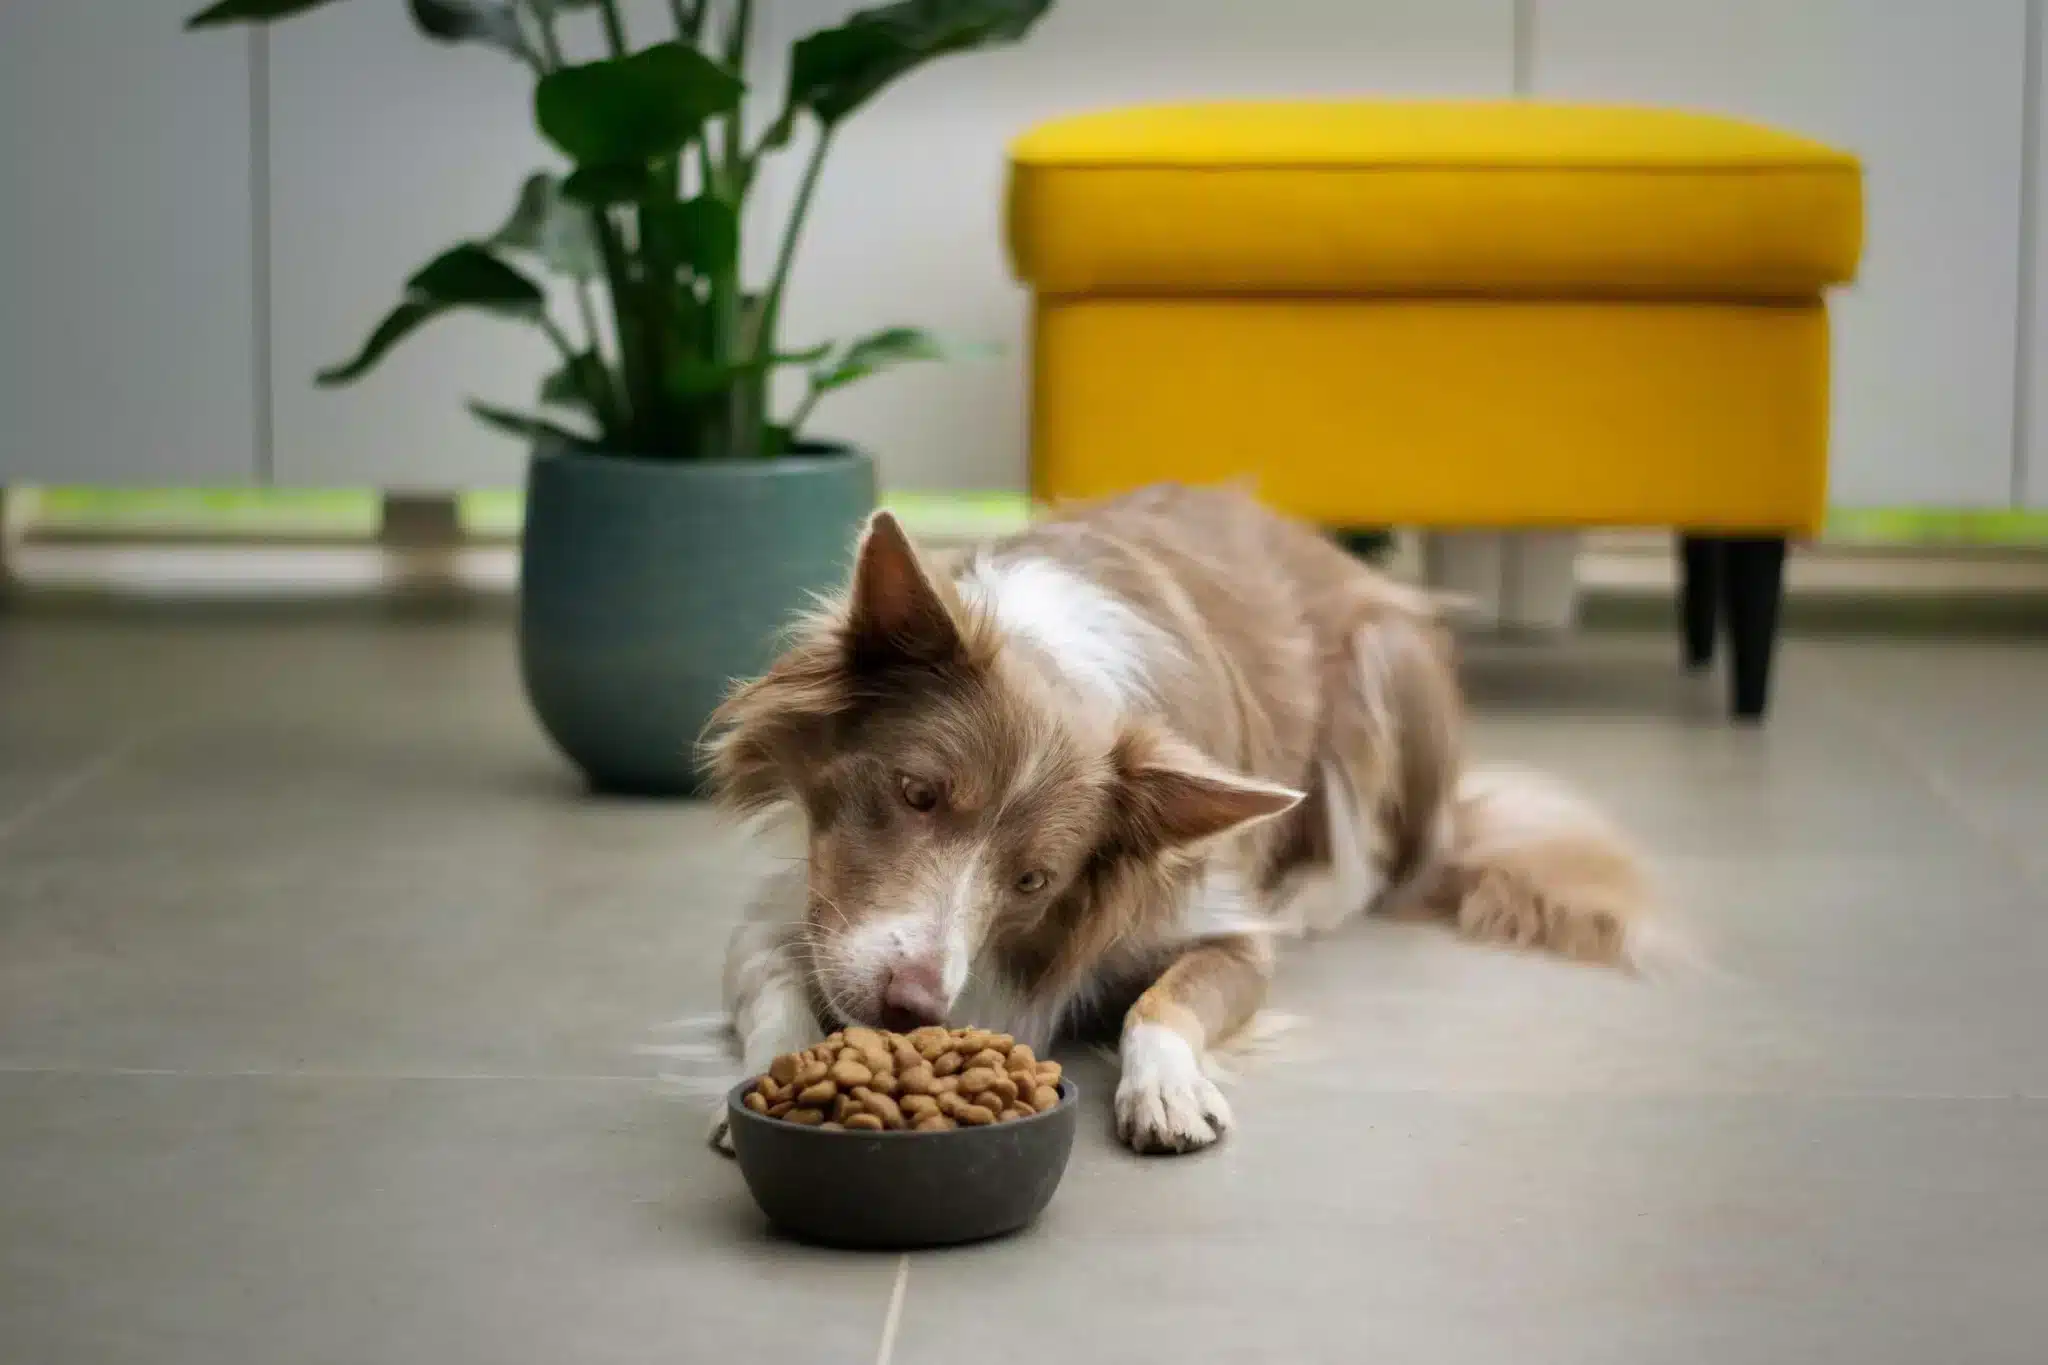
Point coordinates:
[[1032, 882], [919, 795]]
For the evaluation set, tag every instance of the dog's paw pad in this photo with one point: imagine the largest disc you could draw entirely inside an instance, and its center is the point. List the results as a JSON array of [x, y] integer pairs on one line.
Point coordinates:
[[1164, 1103]]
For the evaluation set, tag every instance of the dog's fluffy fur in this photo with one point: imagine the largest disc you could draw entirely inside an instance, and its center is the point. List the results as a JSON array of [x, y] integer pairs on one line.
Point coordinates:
[[1101, 766]]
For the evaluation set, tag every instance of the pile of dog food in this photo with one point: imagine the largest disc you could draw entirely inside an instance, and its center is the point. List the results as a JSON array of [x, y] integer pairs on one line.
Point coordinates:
[[929, 1080]]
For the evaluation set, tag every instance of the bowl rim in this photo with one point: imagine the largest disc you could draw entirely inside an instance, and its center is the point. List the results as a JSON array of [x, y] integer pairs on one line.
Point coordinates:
[[1069, 1093]]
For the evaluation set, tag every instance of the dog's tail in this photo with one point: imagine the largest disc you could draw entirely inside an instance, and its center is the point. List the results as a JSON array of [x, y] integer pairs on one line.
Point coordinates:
[[1532, 864]]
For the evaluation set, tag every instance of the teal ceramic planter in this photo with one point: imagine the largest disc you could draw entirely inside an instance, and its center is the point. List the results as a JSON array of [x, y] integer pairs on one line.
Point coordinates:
[[646, 586]]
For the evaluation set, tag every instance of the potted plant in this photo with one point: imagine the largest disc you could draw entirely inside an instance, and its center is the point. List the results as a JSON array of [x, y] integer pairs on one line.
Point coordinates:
[[674, 519]]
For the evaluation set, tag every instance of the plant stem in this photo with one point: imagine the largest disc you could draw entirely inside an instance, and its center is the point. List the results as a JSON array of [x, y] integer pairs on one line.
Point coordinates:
[[550, 42], [558, 336], [743, 406], [689, 19], [638, 383], [762, 342], [614, 27], [802, 414]]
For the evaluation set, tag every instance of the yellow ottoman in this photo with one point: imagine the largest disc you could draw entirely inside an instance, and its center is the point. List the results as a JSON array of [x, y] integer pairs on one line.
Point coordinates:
[[1483, 315]]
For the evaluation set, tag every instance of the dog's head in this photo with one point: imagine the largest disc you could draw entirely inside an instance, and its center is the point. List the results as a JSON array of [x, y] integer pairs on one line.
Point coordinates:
[[958, 804]]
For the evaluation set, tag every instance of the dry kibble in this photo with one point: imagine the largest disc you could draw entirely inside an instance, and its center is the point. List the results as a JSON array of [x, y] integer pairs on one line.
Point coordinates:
[[929, 1080]]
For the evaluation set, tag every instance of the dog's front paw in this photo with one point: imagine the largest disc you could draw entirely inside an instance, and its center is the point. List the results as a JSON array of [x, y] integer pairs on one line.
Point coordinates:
[[1163, 1102], [721, 1133]]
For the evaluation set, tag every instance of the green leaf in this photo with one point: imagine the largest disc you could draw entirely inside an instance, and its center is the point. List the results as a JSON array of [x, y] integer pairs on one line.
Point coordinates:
[[835, 71], [640, 108], [250, 12], [489, 22], [544, 225], [400, 323], [884, 350], [470, 276], [597, 186], [692, 376], [536, 429], [580, 383], [701, 233], [466, 276]]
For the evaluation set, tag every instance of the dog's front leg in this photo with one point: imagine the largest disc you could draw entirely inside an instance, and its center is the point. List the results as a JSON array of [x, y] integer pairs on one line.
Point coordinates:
[[1165, 1101], [767, 988]]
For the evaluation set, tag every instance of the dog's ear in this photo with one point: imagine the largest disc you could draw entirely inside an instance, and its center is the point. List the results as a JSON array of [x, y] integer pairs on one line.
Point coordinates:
[[771, 727], [896, 613], [1170, 796]]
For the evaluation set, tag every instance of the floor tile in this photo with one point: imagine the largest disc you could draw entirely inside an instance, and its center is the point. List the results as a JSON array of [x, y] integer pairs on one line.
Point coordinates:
[[165, 1220], [1433, 1229]]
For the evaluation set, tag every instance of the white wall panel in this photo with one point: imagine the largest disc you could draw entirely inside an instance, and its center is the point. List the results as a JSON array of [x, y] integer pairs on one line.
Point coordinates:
[[908, 224], [127, 314], [1929, 93], [386, 147]]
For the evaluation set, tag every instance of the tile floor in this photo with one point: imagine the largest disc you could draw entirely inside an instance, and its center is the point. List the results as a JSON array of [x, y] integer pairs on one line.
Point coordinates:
[[321, 988]]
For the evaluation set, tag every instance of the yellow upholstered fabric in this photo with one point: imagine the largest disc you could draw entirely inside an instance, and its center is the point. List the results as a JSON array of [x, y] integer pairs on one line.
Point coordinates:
[[1421, 198], [1444, 412]]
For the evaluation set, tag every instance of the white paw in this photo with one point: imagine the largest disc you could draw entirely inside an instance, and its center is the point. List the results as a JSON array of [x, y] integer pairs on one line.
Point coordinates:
[[721, 1132], [1163, 1102]]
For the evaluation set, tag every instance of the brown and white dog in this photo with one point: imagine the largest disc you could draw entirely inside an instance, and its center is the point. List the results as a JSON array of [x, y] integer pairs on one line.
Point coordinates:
[[1102, 766]]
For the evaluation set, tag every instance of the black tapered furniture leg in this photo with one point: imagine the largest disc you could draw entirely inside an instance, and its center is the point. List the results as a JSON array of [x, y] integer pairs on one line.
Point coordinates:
[[1752, 581], [1699, 601]]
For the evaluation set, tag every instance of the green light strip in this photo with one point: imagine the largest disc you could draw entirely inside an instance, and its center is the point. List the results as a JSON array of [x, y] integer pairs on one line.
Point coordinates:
[[285, 513]]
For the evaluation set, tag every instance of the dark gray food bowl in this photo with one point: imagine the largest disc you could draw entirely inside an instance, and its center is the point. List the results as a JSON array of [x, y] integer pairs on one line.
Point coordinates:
[[900, 1190]]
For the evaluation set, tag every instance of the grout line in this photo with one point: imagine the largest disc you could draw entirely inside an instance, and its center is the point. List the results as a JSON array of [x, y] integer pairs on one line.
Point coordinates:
[[67, 787], [887, 1349], [300, 1074], [1892, 741], [260, 265], [2025, 1096], [2027, 276], [1524, 48]]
